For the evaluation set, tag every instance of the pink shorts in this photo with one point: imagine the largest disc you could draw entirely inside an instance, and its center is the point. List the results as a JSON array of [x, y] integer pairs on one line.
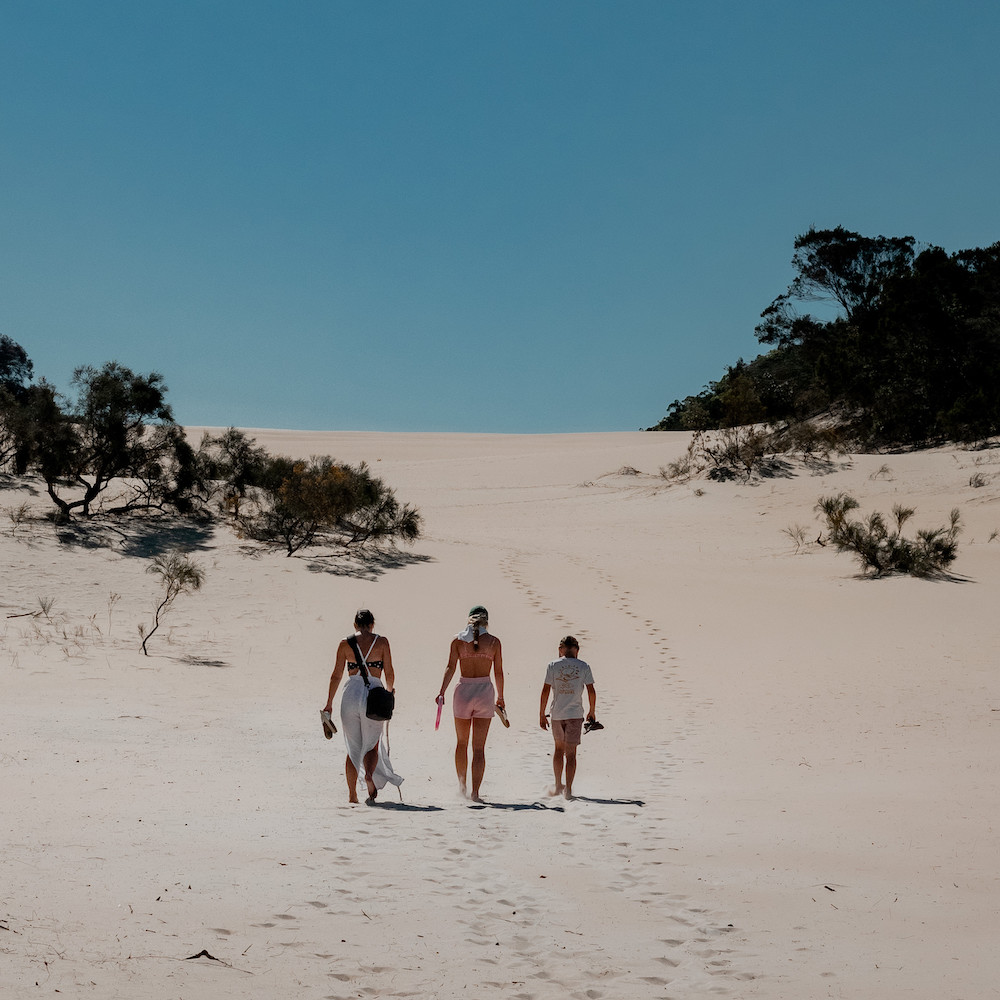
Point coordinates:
[[568, 731], [474, 698]]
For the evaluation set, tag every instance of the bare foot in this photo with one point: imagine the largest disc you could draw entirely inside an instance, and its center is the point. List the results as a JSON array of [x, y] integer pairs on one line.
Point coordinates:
[[463, 791], [568, 794], [558, 790], [372, 790], [353, 800], [476, 798]]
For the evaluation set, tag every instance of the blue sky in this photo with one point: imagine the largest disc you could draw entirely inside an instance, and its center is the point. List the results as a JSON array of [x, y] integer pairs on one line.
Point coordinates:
[[517, 216]]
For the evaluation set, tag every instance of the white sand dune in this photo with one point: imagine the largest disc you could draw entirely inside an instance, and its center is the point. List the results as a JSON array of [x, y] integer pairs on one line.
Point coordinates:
[[794, 796]]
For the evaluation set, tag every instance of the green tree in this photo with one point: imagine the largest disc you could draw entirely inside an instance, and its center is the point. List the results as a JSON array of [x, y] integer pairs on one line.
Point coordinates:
[[236, 462], [10, 428], [15, 375], [106, 434], [15, 366], [913, 356], [304, 503], [840, 266]]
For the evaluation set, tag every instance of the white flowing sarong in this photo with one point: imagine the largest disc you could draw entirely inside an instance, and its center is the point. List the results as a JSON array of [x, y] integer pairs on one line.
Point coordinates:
[[362, 733]]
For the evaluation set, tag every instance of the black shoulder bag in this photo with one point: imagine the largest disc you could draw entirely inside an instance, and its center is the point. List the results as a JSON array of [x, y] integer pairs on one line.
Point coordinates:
[[380, 701]]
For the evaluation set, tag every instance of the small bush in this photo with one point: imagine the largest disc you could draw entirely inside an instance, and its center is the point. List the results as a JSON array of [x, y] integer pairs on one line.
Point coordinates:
[[797, 533], [881, 548], [736, 450], [180, 575], [306, 503], [688, 465], [19, 516], [727, 453]]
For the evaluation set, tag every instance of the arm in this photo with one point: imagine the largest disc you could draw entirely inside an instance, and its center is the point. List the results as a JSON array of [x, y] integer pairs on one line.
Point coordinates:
[[498, 672], [388, 673], [542, 720], [592, 695], [338, 673], [449, 671]]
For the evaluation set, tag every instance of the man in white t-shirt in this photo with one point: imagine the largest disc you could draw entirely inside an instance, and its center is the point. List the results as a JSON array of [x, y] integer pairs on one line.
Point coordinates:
[[565, 680]]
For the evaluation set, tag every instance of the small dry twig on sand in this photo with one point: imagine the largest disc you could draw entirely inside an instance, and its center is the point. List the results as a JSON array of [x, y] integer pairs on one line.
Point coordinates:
[[205, 954]]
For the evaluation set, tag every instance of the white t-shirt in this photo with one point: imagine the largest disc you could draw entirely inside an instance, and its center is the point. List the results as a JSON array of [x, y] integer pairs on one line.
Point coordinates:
[[568, 677]]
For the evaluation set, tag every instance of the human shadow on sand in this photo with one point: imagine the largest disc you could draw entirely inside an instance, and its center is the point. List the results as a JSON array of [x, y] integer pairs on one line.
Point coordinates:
[[402, 806], [368, 565]]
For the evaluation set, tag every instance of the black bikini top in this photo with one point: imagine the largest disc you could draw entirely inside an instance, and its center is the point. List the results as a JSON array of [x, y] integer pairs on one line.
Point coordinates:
[[370, 664]]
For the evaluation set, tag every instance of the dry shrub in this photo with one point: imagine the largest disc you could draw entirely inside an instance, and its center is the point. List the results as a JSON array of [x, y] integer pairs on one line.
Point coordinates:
[[881, 548]]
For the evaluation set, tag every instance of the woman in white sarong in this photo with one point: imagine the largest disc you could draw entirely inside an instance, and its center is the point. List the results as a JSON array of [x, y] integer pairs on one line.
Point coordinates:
[[367, 752]]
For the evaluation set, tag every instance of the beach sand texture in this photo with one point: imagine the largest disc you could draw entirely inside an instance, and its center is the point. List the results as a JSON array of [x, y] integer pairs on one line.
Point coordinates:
[[794, 796]]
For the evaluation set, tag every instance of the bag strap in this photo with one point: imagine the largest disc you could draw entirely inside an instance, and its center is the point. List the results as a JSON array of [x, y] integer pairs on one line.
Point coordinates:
[[352, 641]]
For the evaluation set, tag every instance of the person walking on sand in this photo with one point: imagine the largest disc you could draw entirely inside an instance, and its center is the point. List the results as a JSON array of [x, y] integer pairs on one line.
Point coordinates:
[[475, 652], [367, 752], [565, 680]]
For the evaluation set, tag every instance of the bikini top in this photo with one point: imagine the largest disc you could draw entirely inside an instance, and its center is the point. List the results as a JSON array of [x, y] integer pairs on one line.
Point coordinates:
[[370, 664]]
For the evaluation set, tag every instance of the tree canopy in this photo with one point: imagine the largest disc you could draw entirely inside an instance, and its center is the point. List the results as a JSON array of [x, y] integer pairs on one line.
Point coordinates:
[[118, 431], [913, 354], [104, 435], [15, 366]]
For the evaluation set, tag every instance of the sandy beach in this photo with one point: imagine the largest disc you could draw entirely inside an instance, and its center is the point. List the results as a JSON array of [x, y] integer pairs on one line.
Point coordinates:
[[794, 796]]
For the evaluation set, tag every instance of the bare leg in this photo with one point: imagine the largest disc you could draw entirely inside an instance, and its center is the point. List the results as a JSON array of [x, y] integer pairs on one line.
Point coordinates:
[[462, 729], [558, 756], [371, 762], [480, 730], [570, 771], [352, 780]]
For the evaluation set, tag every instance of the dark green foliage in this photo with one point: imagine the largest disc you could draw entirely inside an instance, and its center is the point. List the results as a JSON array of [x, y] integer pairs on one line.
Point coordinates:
[[11, 429], [15, 393], [776, 386], [168, 474], [15, 367], [105, 437], [836, 264], [939, 338], [118, 430], [914, 357], [301, 503], [234, 462], [881, 548]]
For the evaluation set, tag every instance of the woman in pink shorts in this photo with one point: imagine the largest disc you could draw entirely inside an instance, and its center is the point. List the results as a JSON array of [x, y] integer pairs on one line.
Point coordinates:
[[475, 652]]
